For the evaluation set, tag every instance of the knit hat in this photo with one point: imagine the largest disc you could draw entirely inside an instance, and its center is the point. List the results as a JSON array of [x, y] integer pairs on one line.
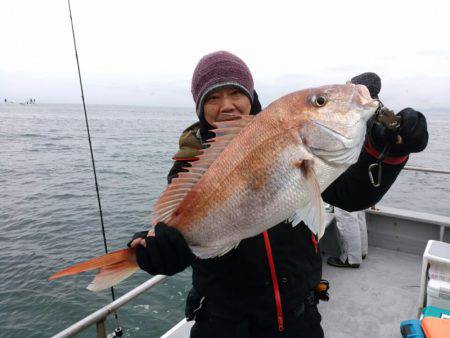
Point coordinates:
[[217, 70], [371, 80]]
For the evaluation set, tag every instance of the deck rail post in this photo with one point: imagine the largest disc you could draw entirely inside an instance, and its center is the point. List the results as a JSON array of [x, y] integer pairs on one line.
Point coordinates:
[[101, 328]]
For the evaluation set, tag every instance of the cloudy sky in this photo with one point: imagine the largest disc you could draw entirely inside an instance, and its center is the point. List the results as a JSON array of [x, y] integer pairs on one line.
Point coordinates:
[[144, 52]]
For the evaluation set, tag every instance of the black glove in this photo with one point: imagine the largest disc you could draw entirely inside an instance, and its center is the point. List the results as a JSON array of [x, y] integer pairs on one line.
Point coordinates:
[[167, 253], [371, 80], [380, 135], [413, 131]]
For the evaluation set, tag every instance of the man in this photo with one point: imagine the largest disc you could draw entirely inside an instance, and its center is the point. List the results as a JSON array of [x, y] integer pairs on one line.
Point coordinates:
[[352, 240], [265, 286]]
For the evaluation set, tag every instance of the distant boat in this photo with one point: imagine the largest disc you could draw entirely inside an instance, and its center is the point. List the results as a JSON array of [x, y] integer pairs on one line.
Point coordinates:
[[30, 101]]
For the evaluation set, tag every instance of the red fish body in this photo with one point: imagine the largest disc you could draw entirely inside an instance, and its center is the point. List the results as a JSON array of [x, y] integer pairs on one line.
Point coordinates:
[[261, 170]]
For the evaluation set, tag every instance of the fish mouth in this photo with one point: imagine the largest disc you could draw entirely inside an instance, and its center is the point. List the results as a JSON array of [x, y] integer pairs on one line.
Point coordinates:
[[348, 147], [365, 100], [332, 132], [364, 93], [346, 154], [335, 159]]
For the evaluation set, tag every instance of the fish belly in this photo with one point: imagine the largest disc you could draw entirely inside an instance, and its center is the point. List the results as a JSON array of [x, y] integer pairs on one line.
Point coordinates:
[[264, 201]]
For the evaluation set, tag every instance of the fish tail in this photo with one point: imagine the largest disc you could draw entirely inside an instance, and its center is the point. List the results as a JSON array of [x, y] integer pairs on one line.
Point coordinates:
[[114, 268]]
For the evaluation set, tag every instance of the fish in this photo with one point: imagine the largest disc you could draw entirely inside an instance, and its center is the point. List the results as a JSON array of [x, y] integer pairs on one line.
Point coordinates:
[[256, 172]]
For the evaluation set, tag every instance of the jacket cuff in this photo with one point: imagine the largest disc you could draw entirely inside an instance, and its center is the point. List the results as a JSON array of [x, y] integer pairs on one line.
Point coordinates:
[[190, 159], [394, 160]]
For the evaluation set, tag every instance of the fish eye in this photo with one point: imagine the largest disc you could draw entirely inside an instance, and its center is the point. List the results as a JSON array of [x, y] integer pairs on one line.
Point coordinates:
[[319, 100]]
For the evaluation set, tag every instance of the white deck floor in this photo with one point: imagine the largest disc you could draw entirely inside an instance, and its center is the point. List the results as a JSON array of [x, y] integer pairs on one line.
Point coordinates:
[[368, 302], [373, 300]]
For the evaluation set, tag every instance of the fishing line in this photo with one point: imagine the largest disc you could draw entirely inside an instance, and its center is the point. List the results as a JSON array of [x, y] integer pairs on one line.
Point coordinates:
[[92, 157]]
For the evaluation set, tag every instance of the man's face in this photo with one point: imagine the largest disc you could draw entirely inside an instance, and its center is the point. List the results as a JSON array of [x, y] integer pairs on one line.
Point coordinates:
[[225, 100]]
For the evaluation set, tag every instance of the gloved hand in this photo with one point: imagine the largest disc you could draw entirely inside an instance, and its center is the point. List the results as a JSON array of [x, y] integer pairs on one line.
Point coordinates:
[[165, 253], [413, 130], [413, 134]]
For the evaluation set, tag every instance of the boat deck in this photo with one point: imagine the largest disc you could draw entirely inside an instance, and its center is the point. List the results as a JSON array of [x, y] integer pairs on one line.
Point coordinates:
[[369, 302], [373, 300]]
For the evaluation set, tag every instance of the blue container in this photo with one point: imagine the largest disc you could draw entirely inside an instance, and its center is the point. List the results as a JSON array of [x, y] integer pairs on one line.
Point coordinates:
[[431, 311], [411, 329]]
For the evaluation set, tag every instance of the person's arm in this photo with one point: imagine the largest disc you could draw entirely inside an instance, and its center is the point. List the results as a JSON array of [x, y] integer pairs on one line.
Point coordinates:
[[353, 190]]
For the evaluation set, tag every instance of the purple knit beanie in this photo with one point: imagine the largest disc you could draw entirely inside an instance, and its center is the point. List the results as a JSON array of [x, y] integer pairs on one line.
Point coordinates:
[[216, 70]]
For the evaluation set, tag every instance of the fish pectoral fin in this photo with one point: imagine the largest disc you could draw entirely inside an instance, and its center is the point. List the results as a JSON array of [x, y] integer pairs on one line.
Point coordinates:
[[312, 213], [313, 218]]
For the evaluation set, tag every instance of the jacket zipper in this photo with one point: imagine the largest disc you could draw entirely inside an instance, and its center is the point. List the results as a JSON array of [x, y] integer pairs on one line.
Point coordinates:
[[276, 289]]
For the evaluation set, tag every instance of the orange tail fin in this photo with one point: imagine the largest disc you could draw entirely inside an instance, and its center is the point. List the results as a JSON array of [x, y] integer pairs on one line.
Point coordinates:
[[114, 267]]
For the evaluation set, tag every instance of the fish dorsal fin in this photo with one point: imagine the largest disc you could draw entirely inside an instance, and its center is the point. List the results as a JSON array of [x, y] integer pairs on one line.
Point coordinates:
[[176, 192]]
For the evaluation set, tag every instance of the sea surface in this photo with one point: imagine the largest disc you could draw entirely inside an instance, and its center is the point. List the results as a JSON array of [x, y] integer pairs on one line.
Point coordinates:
[[49, 215]]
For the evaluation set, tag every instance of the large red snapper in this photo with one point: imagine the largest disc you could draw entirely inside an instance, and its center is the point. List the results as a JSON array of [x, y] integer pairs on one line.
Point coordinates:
[[258, 171]]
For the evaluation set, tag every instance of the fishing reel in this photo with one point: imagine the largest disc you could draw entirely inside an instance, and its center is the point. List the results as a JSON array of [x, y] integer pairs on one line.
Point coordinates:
[[118, 332], [387, 118]]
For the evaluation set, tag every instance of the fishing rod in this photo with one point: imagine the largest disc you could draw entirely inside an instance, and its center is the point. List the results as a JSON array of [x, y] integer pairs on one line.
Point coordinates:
[[118, 331]]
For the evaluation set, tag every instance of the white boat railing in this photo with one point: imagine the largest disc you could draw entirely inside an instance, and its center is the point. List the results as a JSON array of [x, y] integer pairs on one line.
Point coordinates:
[[426, 170], [99, 316]]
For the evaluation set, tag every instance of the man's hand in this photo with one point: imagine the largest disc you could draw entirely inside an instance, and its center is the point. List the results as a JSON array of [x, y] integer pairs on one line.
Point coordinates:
[[413, 131], [163, 251], [410, 137]]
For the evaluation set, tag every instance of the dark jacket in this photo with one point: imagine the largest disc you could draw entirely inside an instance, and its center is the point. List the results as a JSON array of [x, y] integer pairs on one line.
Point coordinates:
[[239, 283]]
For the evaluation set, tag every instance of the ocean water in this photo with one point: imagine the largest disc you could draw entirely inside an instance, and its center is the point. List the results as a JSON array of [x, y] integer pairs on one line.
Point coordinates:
[[49, 216]]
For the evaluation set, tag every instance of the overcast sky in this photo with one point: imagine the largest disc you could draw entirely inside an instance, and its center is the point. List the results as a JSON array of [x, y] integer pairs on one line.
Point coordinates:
[[144, 52]]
